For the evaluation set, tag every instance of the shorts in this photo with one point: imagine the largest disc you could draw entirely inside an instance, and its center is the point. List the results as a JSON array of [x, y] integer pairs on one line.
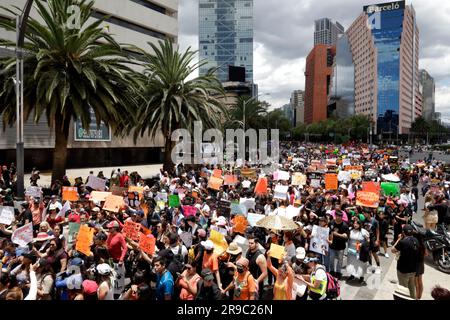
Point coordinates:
[[420, 269]]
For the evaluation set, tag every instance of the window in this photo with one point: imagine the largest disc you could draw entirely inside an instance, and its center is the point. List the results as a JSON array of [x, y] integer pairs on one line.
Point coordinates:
[[151, 5]]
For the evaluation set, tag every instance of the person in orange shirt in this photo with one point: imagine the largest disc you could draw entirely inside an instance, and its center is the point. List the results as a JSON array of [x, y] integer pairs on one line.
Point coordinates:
[[188, 282], [243, 283], [282, 289], [210, 260]]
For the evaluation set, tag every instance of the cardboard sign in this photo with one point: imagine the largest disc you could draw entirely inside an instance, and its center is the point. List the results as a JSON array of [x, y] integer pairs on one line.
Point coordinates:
[[230, 179], [189, 211], [240, 224], [217, 173], [261, 186], [70, 193], [280, 192], [215, 183], [113, 203], [147, 243], [23, 235], [370, 186], [139, 190], [281, 175], [73, 230], [353, 168], [319, 239], [118, 191], [99, 196], [84, 240], [6, 215], [298, 179], [390, 189], [96, 183], [331, 181], [248, 173], [186, 237], [35, 192], [367, 199], [174, 201], [131, 230], [253, 218], [277, 251]]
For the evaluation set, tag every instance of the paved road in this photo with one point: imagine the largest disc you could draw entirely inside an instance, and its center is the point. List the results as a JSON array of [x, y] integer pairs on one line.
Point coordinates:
[[440, 156]]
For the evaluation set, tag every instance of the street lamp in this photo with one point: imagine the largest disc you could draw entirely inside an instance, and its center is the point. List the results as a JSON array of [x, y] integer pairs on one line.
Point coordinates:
[[21, 25]]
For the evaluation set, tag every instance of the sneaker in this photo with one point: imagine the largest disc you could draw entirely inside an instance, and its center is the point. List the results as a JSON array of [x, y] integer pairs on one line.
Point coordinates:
[[386, 255]]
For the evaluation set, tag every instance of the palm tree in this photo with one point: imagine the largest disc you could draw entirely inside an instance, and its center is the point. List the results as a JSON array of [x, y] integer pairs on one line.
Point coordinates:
[[171, 101], [254, 114], [68, 72]]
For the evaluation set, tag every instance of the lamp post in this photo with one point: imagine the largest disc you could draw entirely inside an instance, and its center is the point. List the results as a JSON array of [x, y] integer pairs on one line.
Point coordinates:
[[21, 25]]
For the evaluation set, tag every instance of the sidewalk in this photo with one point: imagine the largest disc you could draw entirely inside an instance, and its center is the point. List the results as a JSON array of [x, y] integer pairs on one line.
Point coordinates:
[[146, 171]]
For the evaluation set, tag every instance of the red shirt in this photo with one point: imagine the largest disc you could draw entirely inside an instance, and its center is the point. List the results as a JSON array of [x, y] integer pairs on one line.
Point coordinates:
[[117, 246], [74, 217], [123, 180]]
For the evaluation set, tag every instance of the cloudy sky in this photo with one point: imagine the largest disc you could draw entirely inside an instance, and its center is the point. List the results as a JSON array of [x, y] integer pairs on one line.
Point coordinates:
[[283, 36]]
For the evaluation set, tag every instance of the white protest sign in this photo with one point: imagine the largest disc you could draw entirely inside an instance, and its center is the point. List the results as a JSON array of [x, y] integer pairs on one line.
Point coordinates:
[[315, 183], [246, 184], [249, 203], [344, 176], [298, 179], [96, 183], [119, 280], [292, 212], [281, 175], [161, 196], [253, 218], [243, 243], [6, 215], [346, 162], [64, 209], [319, 239], [280, 192], [35, 192], [23, 235]]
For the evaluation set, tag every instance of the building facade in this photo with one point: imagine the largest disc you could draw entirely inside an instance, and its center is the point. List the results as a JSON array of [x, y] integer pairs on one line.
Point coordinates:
[[297, 103], [428, 95], [384, 41], [326, 31], [135, 22], [226, 36], [319, 63]]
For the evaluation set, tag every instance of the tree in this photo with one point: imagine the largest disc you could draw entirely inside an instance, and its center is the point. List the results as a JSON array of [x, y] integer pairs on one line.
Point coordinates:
[[68, 72], [254, 114], [171, 101]]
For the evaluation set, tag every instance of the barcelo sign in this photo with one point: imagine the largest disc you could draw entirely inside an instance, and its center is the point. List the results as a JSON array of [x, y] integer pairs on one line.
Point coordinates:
[[385, 7]]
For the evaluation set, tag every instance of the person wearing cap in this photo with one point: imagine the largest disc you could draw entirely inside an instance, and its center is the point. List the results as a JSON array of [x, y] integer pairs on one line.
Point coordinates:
[[244, 285], [227, 264], [207, 289], [407, 264], [116, 243], [316, 281], [105, 289], [210, 260], [53, 216]]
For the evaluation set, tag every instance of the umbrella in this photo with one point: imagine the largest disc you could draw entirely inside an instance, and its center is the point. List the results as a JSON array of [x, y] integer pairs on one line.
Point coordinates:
[[277, 223], [390, 177]]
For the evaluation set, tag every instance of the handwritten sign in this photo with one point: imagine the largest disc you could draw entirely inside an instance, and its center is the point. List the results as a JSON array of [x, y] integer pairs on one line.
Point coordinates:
[[23, 235], [367, 199], [131, 230], [118, 191], [253, 218], [174, 201], [298, 179], [147, 243], [139, 190], [96, 183], [84, 240], [277, 251], [315, 183], [215, 183], [249, 203], [331, 181], [6, 215], [319, 239], [281, 175], [113, 203], [189, 211], [371, 186], [280, 192], [70, 193], [240, 224], [230, 179], [99, 195], [35, 192]]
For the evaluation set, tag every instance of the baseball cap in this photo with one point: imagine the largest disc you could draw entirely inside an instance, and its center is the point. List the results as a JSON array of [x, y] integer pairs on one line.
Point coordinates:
[[208, 244], [104, 269], [113, 224], [90, 287], [243, 262], [300, 253], [207, 275], [310, 259], [76, 262], [408, 229]]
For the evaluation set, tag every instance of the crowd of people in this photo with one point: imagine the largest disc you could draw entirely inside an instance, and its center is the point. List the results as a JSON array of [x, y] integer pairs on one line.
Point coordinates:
[[205, 243]]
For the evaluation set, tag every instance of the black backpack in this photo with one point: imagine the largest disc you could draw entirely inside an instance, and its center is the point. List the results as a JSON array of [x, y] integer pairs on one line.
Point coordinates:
[[176, 265]]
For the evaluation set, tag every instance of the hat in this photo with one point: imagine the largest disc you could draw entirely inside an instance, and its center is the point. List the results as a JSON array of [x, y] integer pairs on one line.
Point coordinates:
[[96, 209], [234, 249], [201, 233], [101, 236], [297, 202], [221, 221], [208, 244], [53, 206], [104, 269], [300, 253], [308, 228], [76, 262], [90, 287], [300, 224], [408, 229], [113, 224], [311, 259], [207, 275], [243, 262], [43, 236]]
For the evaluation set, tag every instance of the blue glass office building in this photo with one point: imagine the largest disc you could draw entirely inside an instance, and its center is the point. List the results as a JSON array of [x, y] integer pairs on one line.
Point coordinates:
[[226, 36]]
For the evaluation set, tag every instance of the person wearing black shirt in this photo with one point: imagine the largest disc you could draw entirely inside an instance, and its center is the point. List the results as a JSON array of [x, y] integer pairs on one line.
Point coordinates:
[[442, 209], [207, 290], [339, 236], [407, 264]]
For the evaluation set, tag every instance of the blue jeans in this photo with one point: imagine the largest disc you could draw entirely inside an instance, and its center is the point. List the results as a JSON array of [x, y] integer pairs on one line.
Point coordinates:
[[339, 256]]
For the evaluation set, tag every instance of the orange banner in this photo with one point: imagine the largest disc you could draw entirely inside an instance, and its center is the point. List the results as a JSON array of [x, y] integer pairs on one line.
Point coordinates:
[[370, 186], [113, 203], [261, 186], [230, 179], [147, 243], [240, 224], [215, 183], [331, 181], [84, 240], [356, 168], [70, 193], [367, 199], [131, 230]]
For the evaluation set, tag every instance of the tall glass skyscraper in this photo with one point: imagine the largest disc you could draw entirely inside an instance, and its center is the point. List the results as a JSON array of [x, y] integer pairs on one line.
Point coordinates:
[[226, 36]]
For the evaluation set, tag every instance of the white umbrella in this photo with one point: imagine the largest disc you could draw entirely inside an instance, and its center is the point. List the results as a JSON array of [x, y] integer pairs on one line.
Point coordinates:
[[390, 177], [277, 223]]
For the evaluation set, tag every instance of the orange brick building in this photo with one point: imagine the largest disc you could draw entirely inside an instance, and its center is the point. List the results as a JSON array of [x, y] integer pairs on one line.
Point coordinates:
[[318, 74]]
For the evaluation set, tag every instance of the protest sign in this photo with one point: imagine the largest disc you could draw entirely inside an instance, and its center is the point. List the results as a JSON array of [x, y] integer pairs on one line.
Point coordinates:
[[240, 224], [298, 179], [224, 207], [70, 193], [246, 184], [249, 203], [23, 235], [35, 192], [236, 208], [113, 203], [84, 240], [131, 230], [277, 251], [161, 196], [96, 183], [315, 183], [6, 215], [353, 168], [281, 175], [189, 211], [161, 204], [230, 179], [64, 209], [174, 201], [331, 181], [186, 237], [319, 240], [367, 199], [99, 195], [292, 212], [217, 173], [390, 189], [331, 162], [215, 183], [119, 279], [253, 218], [248, 173], [118, 191], [139, 190], [73, 230], [281, 192], [346, 162], [261, 186], [147, 243], [133, 199], [370, 186]]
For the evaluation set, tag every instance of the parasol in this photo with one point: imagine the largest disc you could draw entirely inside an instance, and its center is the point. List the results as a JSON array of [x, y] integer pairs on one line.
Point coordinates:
[[390, 177], [277, 223]]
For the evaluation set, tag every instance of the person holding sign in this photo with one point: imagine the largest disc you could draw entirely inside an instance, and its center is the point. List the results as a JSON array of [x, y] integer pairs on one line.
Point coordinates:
[[116, 243], [284, 275]]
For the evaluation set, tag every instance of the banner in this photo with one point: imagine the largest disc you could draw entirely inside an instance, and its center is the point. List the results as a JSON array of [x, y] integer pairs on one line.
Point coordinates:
[[118, 191], [70, 193], [139, 190], [131, 230], [96, 183], [23, 235], [215, 183], [298, 179], [217, 173], [35, 192], [281, 192], [281, 175], [66, 207], [319, 240], [147, 243], [253, 218], [248, 173], [6, 215], [371, 186], [261, 187], [277, 251], [113, 203], [174, 201], [189, 211], [331, 181], [367, 199], [390, 189], [230, 179], [186, 237], [84, 240], [99, 195], [240, 224]]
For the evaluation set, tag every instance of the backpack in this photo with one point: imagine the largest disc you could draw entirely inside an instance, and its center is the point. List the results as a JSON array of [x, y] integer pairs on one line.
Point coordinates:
[[176, 265], [333, 290]]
